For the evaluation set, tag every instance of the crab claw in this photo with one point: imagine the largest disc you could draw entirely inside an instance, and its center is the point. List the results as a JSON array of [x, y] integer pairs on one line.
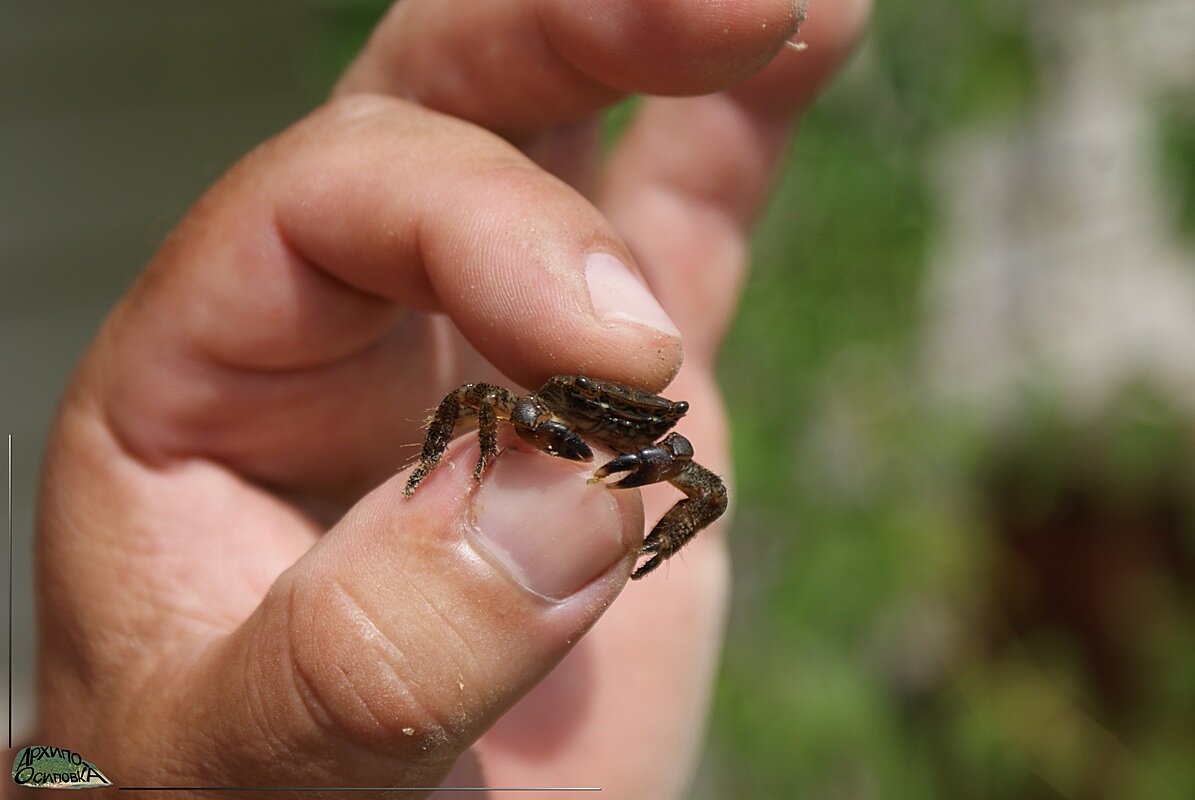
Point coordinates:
[[649, 465], [627, 462], [556, 439]]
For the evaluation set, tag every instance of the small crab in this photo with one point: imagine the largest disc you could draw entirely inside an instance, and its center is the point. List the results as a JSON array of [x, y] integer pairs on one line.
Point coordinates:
[[567, 407]]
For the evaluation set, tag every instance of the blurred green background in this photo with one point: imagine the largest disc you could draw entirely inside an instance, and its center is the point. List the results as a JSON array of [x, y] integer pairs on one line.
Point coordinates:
[[957, 576]]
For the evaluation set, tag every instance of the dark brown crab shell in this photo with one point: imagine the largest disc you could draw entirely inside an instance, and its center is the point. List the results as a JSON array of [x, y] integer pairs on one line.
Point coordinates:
[[620, 417]]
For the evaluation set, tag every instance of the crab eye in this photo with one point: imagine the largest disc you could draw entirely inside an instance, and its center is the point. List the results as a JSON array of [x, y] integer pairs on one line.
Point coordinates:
[[680, 407], [584, 383]]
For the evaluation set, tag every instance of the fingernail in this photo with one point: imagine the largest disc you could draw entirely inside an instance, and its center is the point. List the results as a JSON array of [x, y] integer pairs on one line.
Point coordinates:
[[618, 296], [540, 520]]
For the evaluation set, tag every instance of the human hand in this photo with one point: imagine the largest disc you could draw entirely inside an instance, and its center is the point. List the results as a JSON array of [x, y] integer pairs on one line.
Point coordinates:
[[225, 597]]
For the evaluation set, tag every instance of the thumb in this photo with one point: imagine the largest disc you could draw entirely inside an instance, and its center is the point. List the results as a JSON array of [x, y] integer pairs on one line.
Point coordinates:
[[380, 656]]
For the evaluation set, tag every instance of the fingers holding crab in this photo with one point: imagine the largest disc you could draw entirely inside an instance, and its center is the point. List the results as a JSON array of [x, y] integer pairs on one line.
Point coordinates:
[[365, 258]]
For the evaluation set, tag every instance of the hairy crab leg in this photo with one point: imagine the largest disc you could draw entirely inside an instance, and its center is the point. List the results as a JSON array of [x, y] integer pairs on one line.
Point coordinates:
[[487, 402], [705, 502]]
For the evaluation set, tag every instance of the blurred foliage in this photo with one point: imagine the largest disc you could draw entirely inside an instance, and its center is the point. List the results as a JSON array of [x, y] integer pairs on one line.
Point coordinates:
[[1176, 157], [852, 529], [944, 63], [346, 25], [907, 621], [874, 649]]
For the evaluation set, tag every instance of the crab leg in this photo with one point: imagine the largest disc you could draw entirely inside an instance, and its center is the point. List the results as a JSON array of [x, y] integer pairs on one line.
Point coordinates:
[[487, 402], [705, 502]]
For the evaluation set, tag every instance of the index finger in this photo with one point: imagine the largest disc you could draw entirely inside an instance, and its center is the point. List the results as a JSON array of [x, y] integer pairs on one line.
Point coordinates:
[[518, 67], [282, 303]]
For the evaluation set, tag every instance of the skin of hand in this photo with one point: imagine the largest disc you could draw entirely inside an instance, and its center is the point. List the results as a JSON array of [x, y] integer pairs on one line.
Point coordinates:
[[232, 589]]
